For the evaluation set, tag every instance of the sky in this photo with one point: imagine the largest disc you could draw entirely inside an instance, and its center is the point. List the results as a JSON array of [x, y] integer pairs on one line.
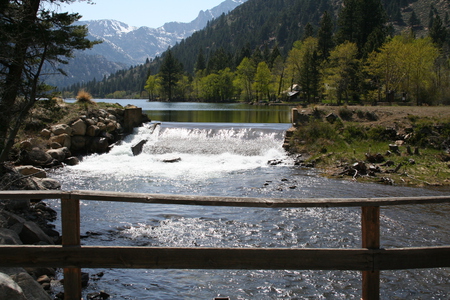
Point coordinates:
[[150, 13]]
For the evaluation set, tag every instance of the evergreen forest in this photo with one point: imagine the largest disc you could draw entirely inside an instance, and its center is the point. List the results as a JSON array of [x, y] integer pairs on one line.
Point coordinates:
[[308, 51]]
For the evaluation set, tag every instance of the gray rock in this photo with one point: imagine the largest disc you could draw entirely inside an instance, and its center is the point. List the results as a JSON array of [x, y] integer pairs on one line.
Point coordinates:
[[78, 142], [99, 145], [62, 139], [79, 127], [55, 145], [31, 289], [9, 289], [32, 234], [137, 149], [47, 183], [36, 157], [17, 204], [31, 170], [93, 130], [59, 154], [9, 237], [61, 129], [72, 161], [45, 133]]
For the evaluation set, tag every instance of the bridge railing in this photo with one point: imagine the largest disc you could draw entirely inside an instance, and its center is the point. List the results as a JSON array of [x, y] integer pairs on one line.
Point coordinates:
[[370, 259]]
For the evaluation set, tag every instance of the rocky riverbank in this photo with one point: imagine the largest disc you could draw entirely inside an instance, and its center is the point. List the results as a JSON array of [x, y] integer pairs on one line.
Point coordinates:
[[28, 222], [383, 144]]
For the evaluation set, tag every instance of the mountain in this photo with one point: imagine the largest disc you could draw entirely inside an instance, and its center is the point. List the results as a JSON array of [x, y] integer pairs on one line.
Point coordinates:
[[257, 26], [123, 45], [133, 45]]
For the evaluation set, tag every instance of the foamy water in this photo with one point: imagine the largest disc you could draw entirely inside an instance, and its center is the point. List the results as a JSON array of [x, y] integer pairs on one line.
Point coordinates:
[[200, 153]]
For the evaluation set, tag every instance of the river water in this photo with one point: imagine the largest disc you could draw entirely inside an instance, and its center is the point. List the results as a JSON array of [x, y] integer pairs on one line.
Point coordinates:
[[229, 158]]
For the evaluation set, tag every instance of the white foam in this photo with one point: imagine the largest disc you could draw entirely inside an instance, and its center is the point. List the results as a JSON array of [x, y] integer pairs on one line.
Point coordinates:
[[203, 153]]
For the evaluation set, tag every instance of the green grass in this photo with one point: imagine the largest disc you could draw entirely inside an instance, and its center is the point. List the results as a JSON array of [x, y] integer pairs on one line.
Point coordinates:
[[333, 146]]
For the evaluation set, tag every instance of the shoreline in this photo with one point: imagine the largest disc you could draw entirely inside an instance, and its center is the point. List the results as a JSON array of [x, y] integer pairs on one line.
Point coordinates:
[[405, 146]]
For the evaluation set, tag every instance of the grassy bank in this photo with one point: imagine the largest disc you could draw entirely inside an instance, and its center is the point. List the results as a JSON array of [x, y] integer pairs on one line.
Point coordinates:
[[388, 144]]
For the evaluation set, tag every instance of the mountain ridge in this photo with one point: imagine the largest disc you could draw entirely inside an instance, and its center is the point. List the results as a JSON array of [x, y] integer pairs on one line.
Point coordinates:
[[124, 45]]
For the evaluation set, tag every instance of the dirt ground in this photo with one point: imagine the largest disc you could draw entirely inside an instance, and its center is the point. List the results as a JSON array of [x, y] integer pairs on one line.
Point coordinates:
[[390, 116]]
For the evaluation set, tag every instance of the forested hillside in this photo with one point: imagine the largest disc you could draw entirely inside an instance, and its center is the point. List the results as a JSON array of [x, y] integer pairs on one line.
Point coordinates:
[[268, 31]]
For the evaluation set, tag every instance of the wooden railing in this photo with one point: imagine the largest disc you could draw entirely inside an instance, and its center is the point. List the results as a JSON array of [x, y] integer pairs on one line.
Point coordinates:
[[369, 259]]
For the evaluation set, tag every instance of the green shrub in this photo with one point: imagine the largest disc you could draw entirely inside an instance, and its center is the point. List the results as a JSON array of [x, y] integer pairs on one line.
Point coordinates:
[[345, 113], [380, 133], [354, 133], [316, 130]]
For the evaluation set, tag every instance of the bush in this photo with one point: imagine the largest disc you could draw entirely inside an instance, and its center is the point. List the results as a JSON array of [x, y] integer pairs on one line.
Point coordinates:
[[84, 98], [316, 130], [380, 133], [354, 132], [345, 113]]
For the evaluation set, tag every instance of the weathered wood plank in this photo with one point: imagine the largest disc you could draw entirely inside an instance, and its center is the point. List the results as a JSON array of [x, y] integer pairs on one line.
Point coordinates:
[[370, 227], [70, 218], [31, 194], [412, 258], [224, 258], [253, 202], [222, 201], [186, 258]]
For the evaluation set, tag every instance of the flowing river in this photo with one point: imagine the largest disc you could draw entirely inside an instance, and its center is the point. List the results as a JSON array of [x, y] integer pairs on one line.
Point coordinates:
[[230, 157]]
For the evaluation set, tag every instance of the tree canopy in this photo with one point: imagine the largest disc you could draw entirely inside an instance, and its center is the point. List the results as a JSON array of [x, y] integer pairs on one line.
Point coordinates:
[[32, 36]]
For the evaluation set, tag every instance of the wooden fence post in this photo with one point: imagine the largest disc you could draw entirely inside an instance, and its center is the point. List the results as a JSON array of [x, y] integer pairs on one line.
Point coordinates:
[[70, 218], [370, 225]]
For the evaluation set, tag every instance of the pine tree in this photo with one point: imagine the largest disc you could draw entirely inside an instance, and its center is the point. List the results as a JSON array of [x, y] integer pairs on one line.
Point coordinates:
[[438, 32], [358, 19], [170, 72], [325, 36], [31, 36]]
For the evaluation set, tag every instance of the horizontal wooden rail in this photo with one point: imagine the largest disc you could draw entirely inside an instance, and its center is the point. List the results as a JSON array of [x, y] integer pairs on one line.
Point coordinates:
[[224, 258], [369, 259], [222, 201]]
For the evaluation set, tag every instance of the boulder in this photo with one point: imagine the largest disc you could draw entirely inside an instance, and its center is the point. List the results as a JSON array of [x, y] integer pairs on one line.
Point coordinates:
[[31, 289], [99, 145], [47, 183], [79, 127], [137, 149], [78, 142], [54, 145], [72, 161], [9, 289], [93, 130], [26, 145], [62, 139], [36, 157], [59, 154], [331, 118], [18, 204], [9, 237], [32, 234], [45, 133], [111, 126], [31, 170], [13, 219], [61, 129]]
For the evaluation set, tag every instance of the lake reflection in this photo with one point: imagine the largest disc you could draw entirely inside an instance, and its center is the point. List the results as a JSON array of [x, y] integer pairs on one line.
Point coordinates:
[[208, 112]]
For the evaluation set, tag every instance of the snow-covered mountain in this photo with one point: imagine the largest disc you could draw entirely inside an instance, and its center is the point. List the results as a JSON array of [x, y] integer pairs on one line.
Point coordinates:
[[125, 45], [132, 45]]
